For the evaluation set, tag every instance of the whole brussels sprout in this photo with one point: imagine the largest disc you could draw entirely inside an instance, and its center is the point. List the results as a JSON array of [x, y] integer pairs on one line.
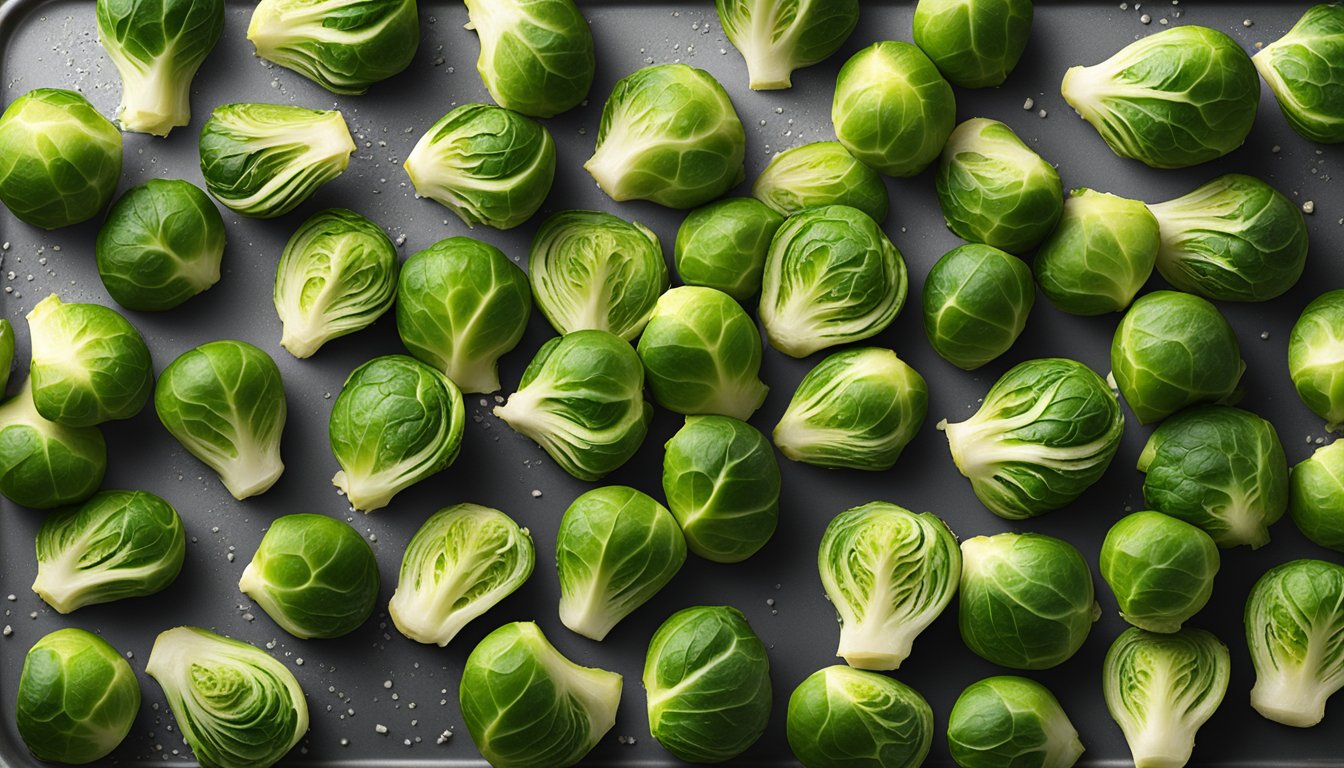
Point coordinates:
[[1100, 254], [161, 244], [1160, 568], [314, 576], [77, 698], [1046, 431], [157, 46], [702, 354], [721, 481], [263, 160], [487, 164], [337, 274], [60, 160], [776, 38], [527, 706], [396, 422], [236, 706], [723, 245], [536, 55], [1305, 70], [892, 109], [975, 44], [1026, 599], [225, 403], [669, 134], [1233, 239], [616, 548], [1174, 99], [993, 189], [1220, 468], [1317, 498], [821, 173], [1011, 722], [89, 364], [847, 717], [590, 270], [831, 277], [342, 45], [708, 682], [462, 305], [6, 353], [857, 409], [889, 573], [117, 544], [1295, 630], [1173, 350], [44, 464], [1313, 360], [582, 400], [976, 302]]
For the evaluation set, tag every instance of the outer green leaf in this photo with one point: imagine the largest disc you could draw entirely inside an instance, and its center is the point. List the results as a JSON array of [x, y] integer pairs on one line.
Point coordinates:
[[1316, 357], [44, 464], [847, 718], [976, 302], [1100, 254], [342, 45], [821, 173], [723, 245], [536, 55], [1011, 722], [975, 43], [1317, 498], [1305, 70], [1160, 568]]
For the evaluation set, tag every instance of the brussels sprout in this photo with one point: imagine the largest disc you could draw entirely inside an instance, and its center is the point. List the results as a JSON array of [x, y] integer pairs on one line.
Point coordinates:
[[160, 245], [396, 422], [1161, 688], [975, 44], [702, 354], [6, 354], [527, 706], [60, 160], [236, 706], [616, 548], [847, 718], [536, 55], [314, 576], [460, 564], [77, 698], [1219, 468], [708, 682], [857, 409], [225, 403], [1160, 568], [157, 46], [462, 305], [1317, 497], [263, 160], [995, 190], [1315, 361], [582, 400], [669, 134], [487, 164], [889, 572], [776, 38], [1233, 239], [118, 544], [892, 109], [1011, 722], [1026, 599], [1295, 630], [1046, 431], [1305, 70], [831, 277], [590, 270], [822, 173], [723, 245], [337, 274], [1173, 350], [44, 464], [342, 45], [976, 302], [1100, 254], [89, 364], [1174, 99]]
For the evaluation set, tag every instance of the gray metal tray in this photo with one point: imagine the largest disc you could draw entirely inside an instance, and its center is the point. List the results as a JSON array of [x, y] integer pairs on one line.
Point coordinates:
[[53, 43]]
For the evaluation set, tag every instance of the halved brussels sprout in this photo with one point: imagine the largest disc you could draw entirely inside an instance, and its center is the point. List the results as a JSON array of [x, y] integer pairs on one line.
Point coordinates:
[[847, 717], [487, 164], [975, 43], [460, 564], [6, 353], [1316, 357], [44, 464], [976, 302], [1178, 98], [723, 245], [1305, 70], [1160, 568], [1011, 722], [776, 38], [342, 45], [821, 173], [1100, 254], [857, 409], [1295, 630], [536, 55], [1316, 501], [669, 134]]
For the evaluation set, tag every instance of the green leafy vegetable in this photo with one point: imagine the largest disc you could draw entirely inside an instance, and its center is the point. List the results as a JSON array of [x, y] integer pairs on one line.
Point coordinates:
[[1316, 357], [776, 37], [1316, 501], [44, 464], [975, 43], [723, 245], [342, 45], [1160, 568], [976, 302], [1305, 70], [1100, 254], [1011, 722], [847, 717], [821, 173], [1295, 630], [536, 55]]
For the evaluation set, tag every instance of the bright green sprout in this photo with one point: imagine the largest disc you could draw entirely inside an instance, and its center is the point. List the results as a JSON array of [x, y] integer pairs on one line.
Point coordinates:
[[44, 464], [1160, 568], [1316, 357], [821, 173], [975, 43], [723, 245], [1100, 254], [776, 37], [1011, 722], [976, 302], [1295, 630], [1316, 500], [344, 46], [1305, 70], [847, 717], [536, 55]]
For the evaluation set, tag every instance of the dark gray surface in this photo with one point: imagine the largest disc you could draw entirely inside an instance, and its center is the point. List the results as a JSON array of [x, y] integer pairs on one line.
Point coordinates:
[[54, 44]]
